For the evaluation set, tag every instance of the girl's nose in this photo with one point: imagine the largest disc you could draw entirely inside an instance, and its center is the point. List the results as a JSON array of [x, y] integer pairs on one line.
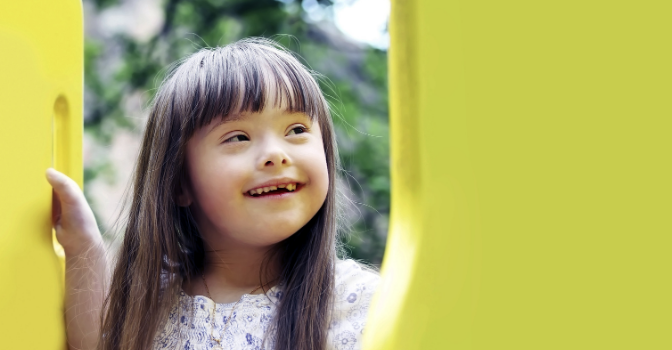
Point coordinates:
[[279, 161], [273, 156]]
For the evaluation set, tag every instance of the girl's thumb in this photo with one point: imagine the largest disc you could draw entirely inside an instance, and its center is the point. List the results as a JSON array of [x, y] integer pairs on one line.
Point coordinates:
[[67, 189]]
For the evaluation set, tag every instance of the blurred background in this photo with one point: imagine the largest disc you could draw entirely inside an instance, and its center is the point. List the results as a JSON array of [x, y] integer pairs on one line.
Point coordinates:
[[129, 44]]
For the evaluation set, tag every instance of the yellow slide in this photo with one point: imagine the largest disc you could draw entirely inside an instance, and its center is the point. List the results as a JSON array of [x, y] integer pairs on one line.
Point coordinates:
[[531, 177], [41, 82]]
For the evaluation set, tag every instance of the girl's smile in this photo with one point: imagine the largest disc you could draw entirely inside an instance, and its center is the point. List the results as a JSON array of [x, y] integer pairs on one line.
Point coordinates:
[[274, 187], [281, 191]]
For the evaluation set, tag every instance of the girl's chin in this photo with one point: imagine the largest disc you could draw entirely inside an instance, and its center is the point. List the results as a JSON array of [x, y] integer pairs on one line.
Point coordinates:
[[266, 237]]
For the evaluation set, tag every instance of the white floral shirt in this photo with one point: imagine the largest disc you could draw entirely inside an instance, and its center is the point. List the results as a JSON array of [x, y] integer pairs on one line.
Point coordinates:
[[189, 326]]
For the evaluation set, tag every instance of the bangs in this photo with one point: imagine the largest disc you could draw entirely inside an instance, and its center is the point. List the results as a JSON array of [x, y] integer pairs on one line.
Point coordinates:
[[245, 77]]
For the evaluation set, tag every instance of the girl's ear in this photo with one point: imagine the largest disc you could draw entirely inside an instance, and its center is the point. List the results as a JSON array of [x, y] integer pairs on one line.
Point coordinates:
[[184, 199], [183, 196]]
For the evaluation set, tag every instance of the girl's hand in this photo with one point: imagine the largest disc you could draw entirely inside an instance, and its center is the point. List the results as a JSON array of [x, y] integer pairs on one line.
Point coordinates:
[[71, 216], [85, 261]]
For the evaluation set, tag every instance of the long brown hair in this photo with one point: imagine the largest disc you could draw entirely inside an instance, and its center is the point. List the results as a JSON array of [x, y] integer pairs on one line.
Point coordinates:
[[162, 246]]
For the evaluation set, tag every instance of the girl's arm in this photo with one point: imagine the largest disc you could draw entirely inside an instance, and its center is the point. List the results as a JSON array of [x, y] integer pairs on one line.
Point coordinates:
[[85, 262]]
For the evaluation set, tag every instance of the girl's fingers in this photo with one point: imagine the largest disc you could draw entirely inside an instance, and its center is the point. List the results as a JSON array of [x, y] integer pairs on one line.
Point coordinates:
[[69, 205], [55, 209], [75, 225]]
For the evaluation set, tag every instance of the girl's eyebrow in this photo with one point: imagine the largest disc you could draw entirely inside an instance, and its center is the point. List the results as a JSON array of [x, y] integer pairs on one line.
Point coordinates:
[[228, 119], [242, 116]]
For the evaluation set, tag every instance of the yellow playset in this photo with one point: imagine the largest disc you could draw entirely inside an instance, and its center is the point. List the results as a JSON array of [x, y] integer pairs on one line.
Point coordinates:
[[41, 89], [531, 177]]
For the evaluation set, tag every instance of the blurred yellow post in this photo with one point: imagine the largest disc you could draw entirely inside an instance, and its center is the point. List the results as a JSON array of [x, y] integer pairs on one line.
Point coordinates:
[[531, 177], [41, 80]]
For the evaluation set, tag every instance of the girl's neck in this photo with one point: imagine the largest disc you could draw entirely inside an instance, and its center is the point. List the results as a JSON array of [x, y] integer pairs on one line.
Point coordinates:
[[230, 273], [240, 268]]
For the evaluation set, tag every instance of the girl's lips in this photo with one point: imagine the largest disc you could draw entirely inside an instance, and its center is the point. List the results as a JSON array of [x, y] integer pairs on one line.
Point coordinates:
[[276, 195]]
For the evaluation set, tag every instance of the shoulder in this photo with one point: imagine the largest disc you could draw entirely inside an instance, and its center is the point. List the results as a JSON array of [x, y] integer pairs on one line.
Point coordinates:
[[351, 275], [355, 285]]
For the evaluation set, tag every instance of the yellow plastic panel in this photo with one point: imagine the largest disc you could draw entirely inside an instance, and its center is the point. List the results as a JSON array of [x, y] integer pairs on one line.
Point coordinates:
[[41, 69], [531, 177]]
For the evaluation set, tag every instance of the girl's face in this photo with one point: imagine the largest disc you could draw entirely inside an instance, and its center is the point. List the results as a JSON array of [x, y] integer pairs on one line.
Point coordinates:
[[255, 151]]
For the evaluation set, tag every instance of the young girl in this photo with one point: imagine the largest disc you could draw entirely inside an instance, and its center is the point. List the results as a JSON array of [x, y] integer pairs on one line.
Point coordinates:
[[230, 241]]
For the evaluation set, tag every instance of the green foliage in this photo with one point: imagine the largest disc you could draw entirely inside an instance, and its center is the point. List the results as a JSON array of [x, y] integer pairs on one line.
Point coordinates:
[[355, 82], [101, 4]]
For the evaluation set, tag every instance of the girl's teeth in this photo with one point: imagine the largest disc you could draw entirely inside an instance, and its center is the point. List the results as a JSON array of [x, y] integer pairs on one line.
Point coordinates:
[[289, 187]]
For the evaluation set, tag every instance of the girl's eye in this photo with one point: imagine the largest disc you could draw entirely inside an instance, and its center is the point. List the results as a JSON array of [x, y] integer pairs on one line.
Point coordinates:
[[237, 138], [297, 130]]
